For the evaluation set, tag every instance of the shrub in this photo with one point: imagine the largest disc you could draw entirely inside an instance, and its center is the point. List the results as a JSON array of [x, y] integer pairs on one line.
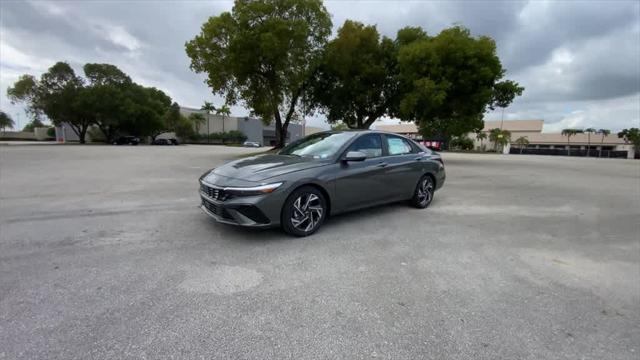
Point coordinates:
[[462, 143]]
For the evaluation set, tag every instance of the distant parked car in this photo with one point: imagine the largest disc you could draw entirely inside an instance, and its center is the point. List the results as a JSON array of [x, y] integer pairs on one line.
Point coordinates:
[[250, 144], [127, 140], [165, 142]]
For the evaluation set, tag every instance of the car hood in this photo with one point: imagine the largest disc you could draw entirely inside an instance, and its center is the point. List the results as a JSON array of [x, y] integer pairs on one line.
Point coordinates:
[[260, 168]]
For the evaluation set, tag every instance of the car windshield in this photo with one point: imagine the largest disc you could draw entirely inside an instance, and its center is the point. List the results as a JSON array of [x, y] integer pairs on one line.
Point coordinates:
[[318, 146]]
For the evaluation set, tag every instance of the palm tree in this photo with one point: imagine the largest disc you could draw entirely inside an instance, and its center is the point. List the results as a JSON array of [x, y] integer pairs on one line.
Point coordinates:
[[604, 133], [569, 133], [522, 142], [499, 137], [589, 131], [480, 135], [6, 121], [208, 108], [494, 135], [197, 120], [224, 111]]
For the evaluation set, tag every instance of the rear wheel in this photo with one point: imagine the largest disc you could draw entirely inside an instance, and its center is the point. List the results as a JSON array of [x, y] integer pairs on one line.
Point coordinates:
[[423, 195], [304, 211]]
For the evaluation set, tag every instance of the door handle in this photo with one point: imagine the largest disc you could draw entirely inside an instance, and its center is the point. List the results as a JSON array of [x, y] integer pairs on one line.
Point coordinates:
[[419, 158], [382, 164]]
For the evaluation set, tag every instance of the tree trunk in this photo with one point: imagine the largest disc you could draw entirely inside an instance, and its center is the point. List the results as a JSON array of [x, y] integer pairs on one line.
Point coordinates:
[[601, 143], [82, 135], [568, 146], [371, 118]]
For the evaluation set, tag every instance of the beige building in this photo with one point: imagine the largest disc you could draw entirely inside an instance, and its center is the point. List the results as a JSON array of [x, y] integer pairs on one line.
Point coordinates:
[[539, 142]]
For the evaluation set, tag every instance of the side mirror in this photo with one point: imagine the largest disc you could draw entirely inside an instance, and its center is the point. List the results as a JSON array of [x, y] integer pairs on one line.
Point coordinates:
[[355, 156]]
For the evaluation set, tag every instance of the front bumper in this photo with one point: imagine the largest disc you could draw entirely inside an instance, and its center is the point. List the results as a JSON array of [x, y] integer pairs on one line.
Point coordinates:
[[240, 211]]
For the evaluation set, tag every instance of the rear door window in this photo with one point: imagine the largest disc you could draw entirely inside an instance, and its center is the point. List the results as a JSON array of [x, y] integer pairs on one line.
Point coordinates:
[[398, 146]]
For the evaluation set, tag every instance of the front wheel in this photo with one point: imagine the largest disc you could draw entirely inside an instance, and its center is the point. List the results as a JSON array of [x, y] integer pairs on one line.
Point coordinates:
[[304, 211], [423, 195]]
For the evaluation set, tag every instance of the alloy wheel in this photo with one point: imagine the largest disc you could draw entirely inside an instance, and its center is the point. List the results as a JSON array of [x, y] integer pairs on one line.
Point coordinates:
[[425, 191], [307, 212]]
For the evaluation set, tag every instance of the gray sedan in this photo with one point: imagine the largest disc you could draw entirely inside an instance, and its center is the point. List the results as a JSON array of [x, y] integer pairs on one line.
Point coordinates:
[[320, 175]]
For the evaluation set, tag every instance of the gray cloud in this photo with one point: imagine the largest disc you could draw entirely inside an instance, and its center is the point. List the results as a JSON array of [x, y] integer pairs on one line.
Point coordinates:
[[579, 61]]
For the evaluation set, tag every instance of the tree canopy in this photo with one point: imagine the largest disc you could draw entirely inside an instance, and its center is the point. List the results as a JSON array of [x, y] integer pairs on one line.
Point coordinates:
[[356, 83], [632, 136], [105, 97], [263, 53], [448, 81]]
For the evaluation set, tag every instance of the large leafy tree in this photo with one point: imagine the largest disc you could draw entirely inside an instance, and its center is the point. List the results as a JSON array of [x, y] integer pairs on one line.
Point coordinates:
[[448, 81], [106, 97], [56, 94], [263, 53], [356, 82], [120, 105], [144, 111], [632, 136], [6, 121]]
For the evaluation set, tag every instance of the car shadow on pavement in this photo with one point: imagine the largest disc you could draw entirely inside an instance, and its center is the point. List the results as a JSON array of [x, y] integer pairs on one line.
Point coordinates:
[[332, 224]]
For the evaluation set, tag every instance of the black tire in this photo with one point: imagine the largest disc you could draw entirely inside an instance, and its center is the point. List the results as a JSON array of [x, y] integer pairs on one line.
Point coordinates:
[[310, 213], [423, 194]]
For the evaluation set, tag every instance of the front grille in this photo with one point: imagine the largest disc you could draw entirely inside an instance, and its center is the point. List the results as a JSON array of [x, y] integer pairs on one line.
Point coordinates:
[[216, 209], [214, 193]]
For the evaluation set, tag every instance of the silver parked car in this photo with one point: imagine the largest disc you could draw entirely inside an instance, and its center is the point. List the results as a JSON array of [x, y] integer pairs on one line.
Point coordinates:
[[250, 144]]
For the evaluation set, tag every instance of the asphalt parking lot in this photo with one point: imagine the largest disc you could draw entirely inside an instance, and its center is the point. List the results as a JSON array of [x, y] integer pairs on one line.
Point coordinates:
[[104, 253]]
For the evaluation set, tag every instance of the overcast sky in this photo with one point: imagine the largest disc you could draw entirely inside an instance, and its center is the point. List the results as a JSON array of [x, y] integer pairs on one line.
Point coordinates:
[[579, 61]]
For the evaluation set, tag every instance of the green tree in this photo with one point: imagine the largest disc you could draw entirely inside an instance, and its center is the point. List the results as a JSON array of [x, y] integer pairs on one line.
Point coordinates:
[[604, 133], [522, 142], [569, 133], [208, 109], [504, 93], [481, 136], [144, 112], [499, 137], [356, 81], [462, 143], [31, 125], [105, 97], [224, 111], [632, 136], [197, 119], [6, 121], [263, 53], [55, 95], [448, 81], [589, 131]]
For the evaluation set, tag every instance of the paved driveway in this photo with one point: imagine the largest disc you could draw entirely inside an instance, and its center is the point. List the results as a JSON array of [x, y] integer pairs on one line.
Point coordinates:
[[105, 254]]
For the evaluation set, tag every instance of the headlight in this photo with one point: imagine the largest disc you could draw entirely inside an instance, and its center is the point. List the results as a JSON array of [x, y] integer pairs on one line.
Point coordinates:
[[254, 190]]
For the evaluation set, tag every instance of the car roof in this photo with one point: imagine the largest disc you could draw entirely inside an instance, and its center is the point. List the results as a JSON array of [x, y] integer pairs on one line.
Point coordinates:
[[363, 131]]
